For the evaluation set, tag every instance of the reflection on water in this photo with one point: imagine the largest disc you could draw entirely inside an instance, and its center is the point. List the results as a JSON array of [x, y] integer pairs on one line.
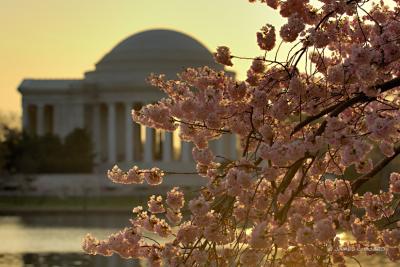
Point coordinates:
[[43, 240], [63, 260], [23, 236]]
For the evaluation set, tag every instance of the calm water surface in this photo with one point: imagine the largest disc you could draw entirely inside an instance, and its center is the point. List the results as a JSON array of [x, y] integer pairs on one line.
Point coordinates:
[[43, 240]]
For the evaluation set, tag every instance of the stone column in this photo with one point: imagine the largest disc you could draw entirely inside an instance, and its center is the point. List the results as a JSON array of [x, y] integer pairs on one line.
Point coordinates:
[[112, 142], [186, 151], [40, 119], [57, 121], [79, 116], [25, 117], [54, 120], [62, 120], [96, 131], [167, 147], [149, 145], [128, 133]]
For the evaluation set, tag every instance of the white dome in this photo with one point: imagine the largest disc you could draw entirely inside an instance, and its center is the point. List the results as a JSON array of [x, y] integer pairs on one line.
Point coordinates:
[[158, 51]]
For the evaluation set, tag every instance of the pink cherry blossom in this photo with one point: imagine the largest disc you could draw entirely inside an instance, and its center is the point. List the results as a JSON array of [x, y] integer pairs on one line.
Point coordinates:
[[175, 199], [315, 120], [266, 37], [223, 56], [155, 204]]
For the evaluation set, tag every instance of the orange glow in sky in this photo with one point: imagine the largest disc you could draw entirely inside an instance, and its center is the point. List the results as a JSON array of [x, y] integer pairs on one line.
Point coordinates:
[[64, 38]]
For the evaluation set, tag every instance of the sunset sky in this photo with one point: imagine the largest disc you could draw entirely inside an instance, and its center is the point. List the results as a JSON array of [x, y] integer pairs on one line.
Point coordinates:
[[65, 38]]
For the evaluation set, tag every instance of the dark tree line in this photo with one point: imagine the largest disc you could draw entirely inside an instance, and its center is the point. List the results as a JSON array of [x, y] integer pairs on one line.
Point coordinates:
[[29, 154]]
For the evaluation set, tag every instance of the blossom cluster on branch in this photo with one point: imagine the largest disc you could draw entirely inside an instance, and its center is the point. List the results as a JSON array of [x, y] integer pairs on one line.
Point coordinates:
[[302, 120]]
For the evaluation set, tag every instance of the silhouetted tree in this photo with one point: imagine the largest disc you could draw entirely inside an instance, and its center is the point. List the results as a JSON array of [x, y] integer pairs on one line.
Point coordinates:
[[78, 151], [24, 153]]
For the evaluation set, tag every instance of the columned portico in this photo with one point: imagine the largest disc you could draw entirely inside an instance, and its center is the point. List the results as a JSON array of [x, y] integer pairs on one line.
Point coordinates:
[[102, 101]]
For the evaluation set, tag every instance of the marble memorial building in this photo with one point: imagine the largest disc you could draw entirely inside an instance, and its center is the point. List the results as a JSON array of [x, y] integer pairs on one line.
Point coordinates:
[[101, 102]]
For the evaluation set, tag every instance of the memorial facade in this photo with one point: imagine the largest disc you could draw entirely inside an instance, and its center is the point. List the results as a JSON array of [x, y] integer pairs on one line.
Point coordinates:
[[102, 101]]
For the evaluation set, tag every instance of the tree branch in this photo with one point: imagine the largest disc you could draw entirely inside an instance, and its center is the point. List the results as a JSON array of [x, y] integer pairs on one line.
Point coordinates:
[[336, 109], [356, 184]]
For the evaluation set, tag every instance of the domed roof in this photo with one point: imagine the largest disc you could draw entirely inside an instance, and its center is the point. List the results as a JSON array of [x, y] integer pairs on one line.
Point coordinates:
[[158, 51]]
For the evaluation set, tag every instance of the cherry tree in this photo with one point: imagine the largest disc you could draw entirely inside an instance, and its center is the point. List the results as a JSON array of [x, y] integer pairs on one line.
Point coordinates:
[[303, 118]]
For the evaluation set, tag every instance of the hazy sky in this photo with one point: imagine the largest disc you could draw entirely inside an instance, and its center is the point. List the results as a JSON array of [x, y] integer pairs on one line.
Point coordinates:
[[65, 38]]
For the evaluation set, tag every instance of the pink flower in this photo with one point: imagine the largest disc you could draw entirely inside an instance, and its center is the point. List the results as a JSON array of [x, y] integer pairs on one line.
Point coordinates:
[[343, 188], [223, 56], [154, 176], [198, 206], [213, 233], [387, 148], [259, 238], [305, 235], [324, 230], [132, 235], [391, 52], [155, 204], [137, 209], [361, 55], [258, 65], [134, 176], [319, 38], [395, 182], [116, 175], [187, 233], [266, 37], [89, 244], [154, 258], [358, 230], [250, 257], [336, 74], [203, 156], [299, 131], [391, 237], [150, 223], [267, 132], [174, 217], [393, 253], [162, 229], [290, 31], [364, 166], [281, 236], [372, 234], [367, 75], [205, 219], [175, 199]]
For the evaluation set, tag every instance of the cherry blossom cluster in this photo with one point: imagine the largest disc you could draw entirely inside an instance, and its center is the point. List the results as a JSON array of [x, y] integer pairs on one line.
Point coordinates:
[[153, 177], [309, 124]]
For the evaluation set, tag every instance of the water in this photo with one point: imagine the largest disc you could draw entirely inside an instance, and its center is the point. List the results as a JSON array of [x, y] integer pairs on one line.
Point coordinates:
[[43, 240], [54, 240]]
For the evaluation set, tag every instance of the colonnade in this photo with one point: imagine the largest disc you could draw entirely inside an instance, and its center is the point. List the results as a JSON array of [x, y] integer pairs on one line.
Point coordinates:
[[139, 142], [115, 136]]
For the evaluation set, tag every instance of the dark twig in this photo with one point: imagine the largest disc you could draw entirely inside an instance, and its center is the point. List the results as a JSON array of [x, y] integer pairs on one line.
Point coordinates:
[[355, 185]]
